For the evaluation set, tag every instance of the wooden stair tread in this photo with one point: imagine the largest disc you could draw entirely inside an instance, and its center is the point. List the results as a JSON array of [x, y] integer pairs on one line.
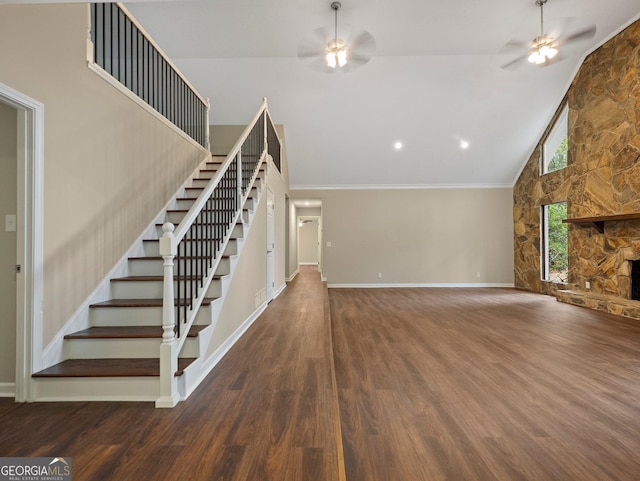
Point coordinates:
[[140, 303], [131, 367], [127, 332]]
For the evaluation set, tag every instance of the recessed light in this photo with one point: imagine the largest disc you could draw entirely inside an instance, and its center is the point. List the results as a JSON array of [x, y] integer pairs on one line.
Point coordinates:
[[464, 144], [397, 145]]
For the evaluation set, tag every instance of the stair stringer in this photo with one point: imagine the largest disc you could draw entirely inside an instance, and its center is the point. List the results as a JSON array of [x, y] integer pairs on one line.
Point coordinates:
[[197, 371], [54, 352]]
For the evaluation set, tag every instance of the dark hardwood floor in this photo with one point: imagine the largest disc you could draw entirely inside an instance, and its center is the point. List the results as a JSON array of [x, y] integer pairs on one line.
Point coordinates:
[[484, 384], [268, 411], [431, 384]]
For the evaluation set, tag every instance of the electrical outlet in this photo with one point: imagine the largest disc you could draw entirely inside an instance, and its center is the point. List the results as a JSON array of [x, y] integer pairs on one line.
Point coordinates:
[[587, 285], [10, 223], [379, 275], [328, 243], [478, 274]]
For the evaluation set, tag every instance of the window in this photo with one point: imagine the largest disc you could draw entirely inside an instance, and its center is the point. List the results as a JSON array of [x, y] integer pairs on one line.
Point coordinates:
[[553, 154], [555, 259]]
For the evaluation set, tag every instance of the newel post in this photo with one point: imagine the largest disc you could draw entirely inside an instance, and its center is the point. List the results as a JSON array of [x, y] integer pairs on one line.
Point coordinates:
[[169, 396]]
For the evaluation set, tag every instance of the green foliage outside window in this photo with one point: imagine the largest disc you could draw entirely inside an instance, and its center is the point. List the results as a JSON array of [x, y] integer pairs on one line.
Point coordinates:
[[557, 237], [559, 159]]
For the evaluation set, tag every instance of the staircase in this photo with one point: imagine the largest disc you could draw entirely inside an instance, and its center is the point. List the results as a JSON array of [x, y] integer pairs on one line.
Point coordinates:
[[117, 357]]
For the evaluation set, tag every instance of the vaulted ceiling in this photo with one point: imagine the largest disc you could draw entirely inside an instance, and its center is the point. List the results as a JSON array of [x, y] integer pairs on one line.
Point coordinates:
[[435, 79]]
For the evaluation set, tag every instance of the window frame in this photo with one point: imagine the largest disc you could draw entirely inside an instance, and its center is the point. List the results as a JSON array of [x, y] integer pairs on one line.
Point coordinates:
[[545, 274], [561, 121]]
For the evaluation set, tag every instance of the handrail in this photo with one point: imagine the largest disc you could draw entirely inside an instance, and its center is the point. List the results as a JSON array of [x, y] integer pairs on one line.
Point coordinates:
[[123, 50], [197, 244]]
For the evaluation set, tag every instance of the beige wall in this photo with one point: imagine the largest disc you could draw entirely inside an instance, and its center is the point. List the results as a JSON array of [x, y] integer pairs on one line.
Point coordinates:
[[308, 242], [250, 277], [110, 166], [436, 236], [224, 137], [292, 242], [8, 205]]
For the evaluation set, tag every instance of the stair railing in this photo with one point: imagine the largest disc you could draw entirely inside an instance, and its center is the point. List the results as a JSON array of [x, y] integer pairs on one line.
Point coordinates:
[[122, 49], [196, 246]]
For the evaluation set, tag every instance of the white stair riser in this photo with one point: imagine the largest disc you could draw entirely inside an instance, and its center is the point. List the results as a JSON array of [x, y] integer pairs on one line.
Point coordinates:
[[176, 217], [141, 289], [139, 316], [97, 389], [155, 267], [122, 348], [184, 203], [237, 230], [152, 248]]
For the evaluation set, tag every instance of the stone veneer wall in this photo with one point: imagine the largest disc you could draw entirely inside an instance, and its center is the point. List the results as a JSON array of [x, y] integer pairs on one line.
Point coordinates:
[[602, 178]]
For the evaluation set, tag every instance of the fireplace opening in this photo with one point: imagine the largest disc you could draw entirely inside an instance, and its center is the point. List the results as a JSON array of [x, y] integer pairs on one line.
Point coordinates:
[[635, 280]]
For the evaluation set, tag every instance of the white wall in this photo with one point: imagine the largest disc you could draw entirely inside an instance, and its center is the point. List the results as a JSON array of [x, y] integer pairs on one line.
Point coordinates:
[[428, 236], [8, 246], [110, 165]]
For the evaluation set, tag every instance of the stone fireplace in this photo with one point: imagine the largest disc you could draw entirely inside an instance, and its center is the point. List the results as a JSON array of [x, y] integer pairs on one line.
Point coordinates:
[[601, 185]]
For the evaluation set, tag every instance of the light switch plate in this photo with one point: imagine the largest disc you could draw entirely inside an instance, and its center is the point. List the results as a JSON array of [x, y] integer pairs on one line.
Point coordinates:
[[10, 223]]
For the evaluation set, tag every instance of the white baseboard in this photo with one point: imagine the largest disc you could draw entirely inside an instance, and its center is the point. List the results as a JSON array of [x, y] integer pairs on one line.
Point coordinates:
[[280, 289], [446, 285], [307, 263], [293, 276], [7, 389]]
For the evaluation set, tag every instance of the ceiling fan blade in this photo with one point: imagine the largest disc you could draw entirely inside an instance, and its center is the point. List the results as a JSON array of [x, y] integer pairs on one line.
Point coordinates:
[[584, 34], [515, 63], [363, 41], [315, 42], [514, 45]]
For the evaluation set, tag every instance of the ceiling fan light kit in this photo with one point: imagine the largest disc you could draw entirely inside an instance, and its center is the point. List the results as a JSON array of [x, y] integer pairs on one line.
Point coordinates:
[[336, 51], [543, 47]]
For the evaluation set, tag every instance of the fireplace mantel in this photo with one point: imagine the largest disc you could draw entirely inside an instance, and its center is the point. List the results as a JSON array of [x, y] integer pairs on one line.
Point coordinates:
[[598, 221]]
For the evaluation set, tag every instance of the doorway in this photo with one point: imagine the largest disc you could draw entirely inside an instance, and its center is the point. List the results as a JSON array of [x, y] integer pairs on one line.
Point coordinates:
[[8, 246], [308, 240], [27, 264], [271, 243]]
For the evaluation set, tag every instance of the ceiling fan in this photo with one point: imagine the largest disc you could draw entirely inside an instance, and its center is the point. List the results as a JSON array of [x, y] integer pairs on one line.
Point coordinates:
[[325, 51], [545, 48]]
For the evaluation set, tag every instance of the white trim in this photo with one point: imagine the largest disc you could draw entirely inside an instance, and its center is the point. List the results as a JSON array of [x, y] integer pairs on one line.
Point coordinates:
[[7, 389], [29, 238], [428, 284], [279, 291], [293, 276], [307, 263], [400, 186]]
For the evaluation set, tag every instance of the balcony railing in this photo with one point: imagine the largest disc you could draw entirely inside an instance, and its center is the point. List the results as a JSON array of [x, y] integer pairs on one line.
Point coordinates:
[[123, 50]]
